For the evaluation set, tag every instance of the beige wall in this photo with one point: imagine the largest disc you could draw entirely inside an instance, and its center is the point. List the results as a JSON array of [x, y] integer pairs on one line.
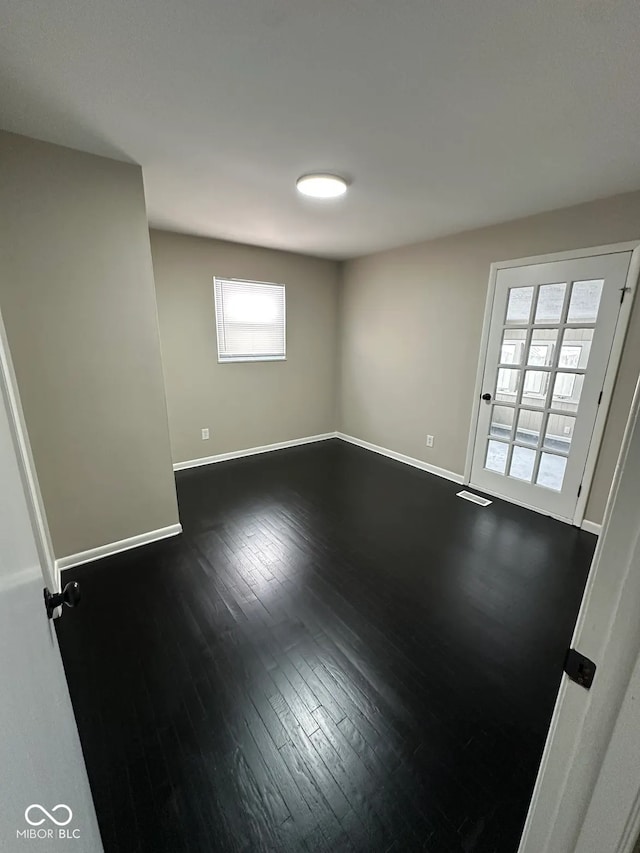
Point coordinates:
[[243, 404], [78, 302], [79, 306], [411, 322]]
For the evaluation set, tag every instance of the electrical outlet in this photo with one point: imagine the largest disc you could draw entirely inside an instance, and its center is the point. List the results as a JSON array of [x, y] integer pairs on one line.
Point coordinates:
[[205, 434], [429, 441]]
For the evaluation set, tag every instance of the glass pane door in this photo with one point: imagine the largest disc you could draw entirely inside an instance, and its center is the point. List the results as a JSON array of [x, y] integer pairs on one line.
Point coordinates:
[[552, 346], [550, 338]]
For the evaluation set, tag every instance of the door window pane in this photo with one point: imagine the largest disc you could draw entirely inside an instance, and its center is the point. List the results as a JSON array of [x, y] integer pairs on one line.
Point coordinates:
[[565, 384], [522, 462], [529, 426], [541, 347], [502, 421], [585, 301], [539, 355], [570, 355], [496, 456], [519, 304], [507, 384], [566, 391], [559, 433], [551, 471], [576, 346], [509, 353], [536, 383], [550, 301], [513, 341]]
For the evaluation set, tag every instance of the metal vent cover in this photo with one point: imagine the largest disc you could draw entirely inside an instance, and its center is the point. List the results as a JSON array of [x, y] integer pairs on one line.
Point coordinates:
[[476, 499]]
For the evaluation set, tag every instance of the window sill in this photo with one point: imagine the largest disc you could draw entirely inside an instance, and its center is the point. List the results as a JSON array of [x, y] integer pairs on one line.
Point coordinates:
[[252, 358]]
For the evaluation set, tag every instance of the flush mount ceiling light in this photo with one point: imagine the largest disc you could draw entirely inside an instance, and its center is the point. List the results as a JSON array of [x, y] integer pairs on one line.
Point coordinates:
[[321, 185]]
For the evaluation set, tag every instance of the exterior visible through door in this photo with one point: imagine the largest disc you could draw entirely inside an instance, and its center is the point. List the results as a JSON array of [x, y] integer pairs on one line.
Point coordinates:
[[551, 333]]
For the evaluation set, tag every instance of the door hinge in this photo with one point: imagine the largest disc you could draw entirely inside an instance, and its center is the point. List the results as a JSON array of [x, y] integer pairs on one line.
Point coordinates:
[[579, 489], [579, 668], [600, 398], [624, 290]]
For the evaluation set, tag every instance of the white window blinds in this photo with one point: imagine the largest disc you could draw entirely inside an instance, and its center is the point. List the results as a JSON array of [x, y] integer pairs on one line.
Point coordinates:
[[250, 320]]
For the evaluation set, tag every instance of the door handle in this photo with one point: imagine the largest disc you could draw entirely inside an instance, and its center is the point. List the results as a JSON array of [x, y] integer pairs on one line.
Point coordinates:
[[486, 397], [70, 596]]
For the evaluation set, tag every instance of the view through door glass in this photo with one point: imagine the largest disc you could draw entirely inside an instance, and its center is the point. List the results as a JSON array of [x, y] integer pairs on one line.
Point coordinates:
[[543, 378], [537, 449]]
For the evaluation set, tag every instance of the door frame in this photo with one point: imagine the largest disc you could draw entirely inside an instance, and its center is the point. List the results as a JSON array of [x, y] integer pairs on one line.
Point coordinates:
[[9, 391], [622, 325]]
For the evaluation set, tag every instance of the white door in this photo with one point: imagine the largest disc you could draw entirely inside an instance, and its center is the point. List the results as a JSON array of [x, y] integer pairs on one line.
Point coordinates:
[[44, 791], [550, 338], [587, 795]]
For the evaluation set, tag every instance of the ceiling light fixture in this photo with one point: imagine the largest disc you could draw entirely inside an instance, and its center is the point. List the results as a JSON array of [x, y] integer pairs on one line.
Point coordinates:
[[321, 185]]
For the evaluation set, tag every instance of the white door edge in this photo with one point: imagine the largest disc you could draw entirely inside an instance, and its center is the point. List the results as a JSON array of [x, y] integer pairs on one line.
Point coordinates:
[[484, 343], [633, 276], [9, 390], [574, 799]]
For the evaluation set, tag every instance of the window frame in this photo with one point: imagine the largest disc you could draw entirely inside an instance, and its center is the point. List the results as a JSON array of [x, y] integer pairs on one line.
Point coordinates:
[[235, 359]]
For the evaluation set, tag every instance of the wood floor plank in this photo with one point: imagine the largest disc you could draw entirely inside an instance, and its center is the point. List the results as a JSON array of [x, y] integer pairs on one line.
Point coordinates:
[[336, 655]]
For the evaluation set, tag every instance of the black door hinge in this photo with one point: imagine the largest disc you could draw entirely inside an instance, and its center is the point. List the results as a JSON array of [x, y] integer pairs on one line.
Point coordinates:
[[579, 668], [600, 398], [624, 290], [579, 489]]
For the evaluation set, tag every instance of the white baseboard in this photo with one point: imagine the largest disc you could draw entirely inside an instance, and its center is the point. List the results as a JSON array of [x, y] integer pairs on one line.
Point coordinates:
[[589, 526], [400, 457], [116, 547], [251, 451]]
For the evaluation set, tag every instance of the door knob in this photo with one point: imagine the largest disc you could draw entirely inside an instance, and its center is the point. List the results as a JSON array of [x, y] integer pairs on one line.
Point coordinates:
[[486, 397], [70, 596]]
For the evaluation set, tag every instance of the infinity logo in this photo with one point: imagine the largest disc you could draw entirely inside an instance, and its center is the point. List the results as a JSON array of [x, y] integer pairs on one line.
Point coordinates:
[[49, 815]]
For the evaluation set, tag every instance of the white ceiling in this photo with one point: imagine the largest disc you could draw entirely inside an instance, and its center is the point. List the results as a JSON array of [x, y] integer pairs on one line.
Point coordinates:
[[446, 114]]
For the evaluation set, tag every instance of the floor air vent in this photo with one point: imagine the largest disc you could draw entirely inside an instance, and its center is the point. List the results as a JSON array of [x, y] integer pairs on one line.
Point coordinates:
[[475, 499]]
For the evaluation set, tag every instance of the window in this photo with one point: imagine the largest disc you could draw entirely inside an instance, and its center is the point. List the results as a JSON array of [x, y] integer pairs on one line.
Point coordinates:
[[539, 354], [536, 383], [250, 320], [566, 382], [507, 381], [570, 356], [508, 353]]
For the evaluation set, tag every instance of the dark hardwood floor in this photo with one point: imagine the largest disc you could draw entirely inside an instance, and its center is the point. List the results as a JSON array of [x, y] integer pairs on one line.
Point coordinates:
[[338, 654]]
